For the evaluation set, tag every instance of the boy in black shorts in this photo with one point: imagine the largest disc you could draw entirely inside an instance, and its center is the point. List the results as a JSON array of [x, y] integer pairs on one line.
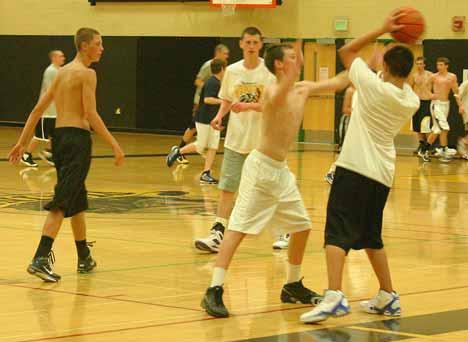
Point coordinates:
[[74, 94], [365, 171]]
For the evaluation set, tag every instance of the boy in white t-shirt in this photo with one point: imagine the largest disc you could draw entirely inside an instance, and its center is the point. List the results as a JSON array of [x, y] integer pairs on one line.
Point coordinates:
[[243, 85], [365, 171], [463, 140], [268, 193]]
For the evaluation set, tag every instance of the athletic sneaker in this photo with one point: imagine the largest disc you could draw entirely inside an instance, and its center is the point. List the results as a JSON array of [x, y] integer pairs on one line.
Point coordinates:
[[182, 160], [86, 265], [282, 242], [206, 178], [172, 156], [464, 156], [213, 241], [451, 151], [384, 303], [213, 302], [425, 156], [41, 267], [28, 160], [334, 304], [297, 293], [47, 157], [329, 177], [445, 156]]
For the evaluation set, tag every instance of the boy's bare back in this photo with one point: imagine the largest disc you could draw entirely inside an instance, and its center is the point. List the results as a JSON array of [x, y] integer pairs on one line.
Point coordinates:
[[69, 95]]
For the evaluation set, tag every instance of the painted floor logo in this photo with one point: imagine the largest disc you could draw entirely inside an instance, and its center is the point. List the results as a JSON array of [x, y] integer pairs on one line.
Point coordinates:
[[162, 202]]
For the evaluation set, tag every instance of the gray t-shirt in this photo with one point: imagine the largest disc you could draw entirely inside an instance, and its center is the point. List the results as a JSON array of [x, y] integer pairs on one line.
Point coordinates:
[[49, 75], [204, 74]]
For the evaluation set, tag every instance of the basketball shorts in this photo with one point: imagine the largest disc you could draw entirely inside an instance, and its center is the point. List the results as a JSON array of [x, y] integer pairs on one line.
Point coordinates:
[[71, 148], [268, 196], [440, 111], [207, 138], [44, 129], [355, 211], [421, 122], [231, 170]]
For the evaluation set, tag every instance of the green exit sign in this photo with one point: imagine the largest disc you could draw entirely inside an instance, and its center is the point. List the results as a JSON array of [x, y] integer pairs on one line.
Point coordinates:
[[341, 24]]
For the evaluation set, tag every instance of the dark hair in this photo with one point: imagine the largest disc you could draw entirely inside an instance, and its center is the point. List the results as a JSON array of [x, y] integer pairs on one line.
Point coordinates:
[[251, 30], [221, 47], [217, 66], [84, 35], [444, 60], [275, 53], [421, 58], [399, 60]]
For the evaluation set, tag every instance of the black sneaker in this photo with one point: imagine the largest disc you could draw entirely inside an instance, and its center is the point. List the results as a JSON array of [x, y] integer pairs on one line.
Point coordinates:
[[87, 264], [28, 160], [47, 157], [172, 156], [41, 267], [213, 302], [206, 178], [297, 293]]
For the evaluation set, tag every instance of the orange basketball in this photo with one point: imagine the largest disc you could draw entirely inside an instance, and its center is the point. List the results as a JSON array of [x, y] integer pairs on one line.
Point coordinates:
[[414, 26]]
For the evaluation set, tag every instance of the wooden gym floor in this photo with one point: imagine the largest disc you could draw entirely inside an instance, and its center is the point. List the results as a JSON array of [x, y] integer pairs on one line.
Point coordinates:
[[150, 279]]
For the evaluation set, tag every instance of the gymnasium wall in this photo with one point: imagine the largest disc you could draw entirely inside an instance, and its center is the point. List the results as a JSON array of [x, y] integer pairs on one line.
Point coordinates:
[[152, 51], [309, 18]]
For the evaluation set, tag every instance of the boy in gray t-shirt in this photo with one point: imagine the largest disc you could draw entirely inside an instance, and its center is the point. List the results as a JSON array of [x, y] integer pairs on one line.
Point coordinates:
[[46, 125]]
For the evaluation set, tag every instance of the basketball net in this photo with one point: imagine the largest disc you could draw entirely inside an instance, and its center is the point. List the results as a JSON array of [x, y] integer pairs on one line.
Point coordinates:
[[228, 7]]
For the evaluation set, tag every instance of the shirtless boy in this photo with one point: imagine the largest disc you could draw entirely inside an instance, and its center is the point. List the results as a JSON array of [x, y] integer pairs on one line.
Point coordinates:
[[74, 94]]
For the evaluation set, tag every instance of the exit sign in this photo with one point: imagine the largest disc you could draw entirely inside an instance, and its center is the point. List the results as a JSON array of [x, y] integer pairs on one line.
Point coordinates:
[[341, 24]]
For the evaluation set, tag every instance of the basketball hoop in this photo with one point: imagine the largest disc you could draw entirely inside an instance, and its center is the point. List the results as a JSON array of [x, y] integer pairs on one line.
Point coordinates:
[[228, 7]]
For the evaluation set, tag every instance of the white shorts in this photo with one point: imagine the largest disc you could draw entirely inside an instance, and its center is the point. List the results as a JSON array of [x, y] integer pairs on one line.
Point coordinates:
[[268, 197], [207, 138], [440, 111]]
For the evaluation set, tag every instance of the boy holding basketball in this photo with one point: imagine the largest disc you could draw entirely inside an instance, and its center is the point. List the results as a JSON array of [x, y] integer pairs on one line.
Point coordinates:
[[365, 171], [74, 94], [268, 194]]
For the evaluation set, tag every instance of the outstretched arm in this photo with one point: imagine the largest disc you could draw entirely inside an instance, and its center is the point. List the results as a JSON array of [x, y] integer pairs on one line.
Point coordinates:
[[337, 83], [350, 51], [28, 130], [90, 112]]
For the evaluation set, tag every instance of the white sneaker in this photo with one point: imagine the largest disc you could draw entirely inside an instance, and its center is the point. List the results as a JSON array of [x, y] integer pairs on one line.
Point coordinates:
[[211, 243], [334, 304], [282, 242], [438, 152], [451, 151], [383, 303]]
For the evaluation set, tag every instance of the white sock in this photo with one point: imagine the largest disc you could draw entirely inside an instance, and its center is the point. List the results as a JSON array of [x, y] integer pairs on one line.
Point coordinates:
[[294, 273], [221, 220], [218, 276]]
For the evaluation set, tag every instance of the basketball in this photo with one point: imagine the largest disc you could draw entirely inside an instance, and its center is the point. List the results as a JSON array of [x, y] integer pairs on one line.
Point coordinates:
[[414, 26]]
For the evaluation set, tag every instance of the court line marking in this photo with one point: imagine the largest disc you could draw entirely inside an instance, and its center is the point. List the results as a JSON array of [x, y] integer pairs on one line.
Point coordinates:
[[101, 297], [212, 318]]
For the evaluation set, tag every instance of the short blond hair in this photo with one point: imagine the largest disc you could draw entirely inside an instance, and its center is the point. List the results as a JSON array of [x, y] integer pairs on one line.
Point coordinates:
[[84, 35]]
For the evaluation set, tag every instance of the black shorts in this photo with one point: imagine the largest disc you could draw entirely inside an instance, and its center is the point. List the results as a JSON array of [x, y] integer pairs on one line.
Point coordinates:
[[45, 129], [71, 148], [355, 211], [422, 119]]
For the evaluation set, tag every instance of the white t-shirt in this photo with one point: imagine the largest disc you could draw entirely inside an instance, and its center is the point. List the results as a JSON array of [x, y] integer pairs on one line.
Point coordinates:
[[244, 85], [49, 75], [381, 109], [464, 99]]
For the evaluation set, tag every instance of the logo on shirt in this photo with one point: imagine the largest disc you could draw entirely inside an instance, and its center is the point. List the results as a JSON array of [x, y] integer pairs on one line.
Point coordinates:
[[249, 92]]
